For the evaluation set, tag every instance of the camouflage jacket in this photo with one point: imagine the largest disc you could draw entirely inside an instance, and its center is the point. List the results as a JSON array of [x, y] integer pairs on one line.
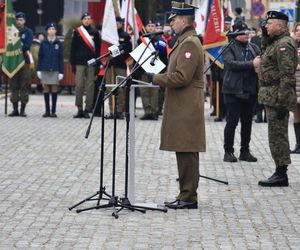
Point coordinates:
[[277, 72]]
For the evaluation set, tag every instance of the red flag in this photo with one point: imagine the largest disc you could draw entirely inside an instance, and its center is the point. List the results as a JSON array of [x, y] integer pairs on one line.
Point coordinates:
[[2, 28]]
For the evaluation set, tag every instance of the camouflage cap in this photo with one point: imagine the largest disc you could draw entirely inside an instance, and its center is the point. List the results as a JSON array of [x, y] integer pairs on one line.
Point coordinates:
[[182, 9], [272, 14]]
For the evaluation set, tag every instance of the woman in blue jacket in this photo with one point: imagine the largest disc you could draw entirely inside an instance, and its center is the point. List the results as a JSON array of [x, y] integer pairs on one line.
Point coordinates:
[[50, 67]]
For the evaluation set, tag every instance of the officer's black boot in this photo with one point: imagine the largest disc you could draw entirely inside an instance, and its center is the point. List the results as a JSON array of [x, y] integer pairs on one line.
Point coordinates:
[[15, 111], [22, 112], [229, 157], [259, 118], [245, 155], [296, 150], [47, 105], [278, 179]]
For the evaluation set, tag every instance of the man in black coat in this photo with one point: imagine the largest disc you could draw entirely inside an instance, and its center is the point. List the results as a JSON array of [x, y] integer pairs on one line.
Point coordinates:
[[117, 67], [240, 89], [85, 46]]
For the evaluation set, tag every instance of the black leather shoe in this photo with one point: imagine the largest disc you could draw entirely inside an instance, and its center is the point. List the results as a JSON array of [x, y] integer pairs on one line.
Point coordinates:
[[53, 115], [85, 114], [229, 157], [178, 204], [219, 119], [47, 114], [79, 114], [14, 113], [145, 117], [276, 180], [296, 150], [213, 113], [247, 156], [119, 116]]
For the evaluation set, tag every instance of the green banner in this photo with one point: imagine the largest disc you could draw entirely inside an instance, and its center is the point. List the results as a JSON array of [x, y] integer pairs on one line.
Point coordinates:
[[13, 59]]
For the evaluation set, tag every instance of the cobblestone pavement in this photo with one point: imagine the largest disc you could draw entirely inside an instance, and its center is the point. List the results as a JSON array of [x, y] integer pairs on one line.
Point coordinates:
[[46, 166]]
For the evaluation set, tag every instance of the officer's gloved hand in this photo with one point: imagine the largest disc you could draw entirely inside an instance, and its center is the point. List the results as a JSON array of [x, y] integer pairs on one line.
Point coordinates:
[[39, 74], [60, 77], [74, 69], [149, 76], [281, 113]]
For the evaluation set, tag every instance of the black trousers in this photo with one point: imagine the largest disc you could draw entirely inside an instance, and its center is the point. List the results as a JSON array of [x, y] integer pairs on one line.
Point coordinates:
[[239, 110]]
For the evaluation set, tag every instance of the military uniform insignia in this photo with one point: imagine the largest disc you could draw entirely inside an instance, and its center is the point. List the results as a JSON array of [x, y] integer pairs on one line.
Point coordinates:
[[56, 46], [23, 36], [188, 55], [121, 39], [282, 49]]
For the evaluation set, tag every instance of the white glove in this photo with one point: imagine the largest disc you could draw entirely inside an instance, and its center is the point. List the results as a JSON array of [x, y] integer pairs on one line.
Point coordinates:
[[60, 77], [39, 74]]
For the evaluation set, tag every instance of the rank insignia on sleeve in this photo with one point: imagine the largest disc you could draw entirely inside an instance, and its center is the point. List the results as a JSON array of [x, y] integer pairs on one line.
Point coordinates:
[[188, 55], [282, 49]]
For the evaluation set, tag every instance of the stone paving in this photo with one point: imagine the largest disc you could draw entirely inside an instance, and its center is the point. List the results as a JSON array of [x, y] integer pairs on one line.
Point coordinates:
[[46, 166]]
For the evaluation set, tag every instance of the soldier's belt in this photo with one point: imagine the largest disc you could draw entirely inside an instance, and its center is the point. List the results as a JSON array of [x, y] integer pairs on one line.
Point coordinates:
[[268, 84]]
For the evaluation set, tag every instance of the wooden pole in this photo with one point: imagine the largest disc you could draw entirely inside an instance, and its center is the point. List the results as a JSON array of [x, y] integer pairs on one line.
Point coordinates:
[[5, 80], [217, 99]]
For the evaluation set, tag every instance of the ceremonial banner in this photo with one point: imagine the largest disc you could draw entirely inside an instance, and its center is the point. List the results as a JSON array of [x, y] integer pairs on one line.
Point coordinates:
[[13, 59], [215, 38], [2, 28], [201, 15]]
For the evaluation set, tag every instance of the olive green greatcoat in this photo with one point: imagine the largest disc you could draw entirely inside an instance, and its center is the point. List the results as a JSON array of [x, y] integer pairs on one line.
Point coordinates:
[[183, 128]]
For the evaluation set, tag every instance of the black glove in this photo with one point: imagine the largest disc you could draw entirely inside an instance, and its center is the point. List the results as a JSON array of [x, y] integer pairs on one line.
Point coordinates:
[[281, 113], [149, 76], [74, 69]]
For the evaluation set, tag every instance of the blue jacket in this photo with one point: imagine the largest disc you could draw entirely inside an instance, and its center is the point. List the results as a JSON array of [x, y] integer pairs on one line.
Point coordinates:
[[51, 56], [26, 36]]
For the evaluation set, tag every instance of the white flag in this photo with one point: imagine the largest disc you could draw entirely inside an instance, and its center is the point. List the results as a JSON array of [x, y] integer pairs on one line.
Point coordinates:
[[201, 15], [109, 28]]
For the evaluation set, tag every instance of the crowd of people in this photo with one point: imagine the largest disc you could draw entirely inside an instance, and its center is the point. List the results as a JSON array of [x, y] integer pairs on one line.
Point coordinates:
[[260, 76]]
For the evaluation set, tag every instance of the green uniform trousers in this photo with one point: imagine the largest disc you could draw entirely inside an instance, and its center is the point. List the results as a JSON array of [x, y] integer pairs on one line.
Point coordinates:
[[188, 170], [19, 85], [110, 80], [85, 75], [149, 98], [278, 137]]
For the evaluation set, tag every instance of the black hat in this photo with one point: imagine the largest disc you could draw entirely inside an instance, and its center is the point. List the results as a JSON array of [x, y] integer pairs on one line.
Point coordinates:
[[238, 10], [182, 9], [20, 15], [149, 22], [228, 19], [120, 19], [85, 14], [240, 26], [157, 24], [51, 25], [272, 14]]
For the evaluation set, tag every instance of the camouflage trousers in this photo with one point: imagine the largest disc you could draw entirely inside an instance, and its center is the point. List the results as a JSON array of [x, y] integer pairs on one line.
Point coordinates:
[[19, 85], [278, 137]]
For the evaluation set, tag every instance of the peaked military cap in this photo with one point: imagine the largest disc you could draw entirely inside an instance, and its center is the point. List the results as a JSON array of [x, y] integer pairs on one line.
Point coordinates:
[[119, 19], [240, 26], [20, 15], [182, 9], [85, 14], [51, 25], [272, 14]]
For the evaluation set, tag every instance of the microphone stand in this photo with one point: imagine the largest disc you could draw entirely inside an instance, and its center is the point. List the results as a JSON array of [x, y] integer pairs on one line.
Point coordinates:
[[102, 189]]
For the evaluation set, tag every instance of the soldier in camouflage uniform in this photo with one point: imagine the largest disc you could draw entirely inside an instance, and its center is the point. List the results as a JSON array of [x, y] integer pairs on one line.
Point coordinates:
[[277, 68]]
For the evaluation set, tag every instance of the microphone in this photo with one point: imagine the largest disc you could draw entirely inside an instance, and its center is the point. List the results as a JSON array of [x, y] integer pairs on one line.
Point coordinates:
[[113, 51], [152, 34], [154, 58], [239, 33]]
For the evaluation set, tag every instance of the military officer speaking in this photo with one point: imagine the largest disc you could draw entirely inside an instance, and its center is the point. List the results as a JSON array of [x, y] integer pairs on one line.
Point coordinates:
[[183, 129], [277, 67]]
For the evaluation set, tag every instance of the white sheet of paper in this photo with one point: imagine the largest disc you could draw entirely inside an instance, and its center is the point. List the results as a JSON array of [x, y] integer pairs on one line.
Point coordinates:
[[157, 68]]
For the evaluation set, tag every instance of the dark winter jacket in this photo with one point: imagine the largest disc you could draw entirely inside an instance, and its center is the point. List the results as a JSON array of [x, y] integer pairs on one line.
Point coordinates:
[[239, 75], [26, 36], [51, 56], [80, 52]]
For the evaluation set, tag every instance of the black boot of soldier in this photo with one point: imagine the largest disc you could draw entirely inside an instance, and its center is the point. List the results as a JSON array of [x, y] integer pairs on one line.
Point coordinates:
[[15, 111], [22, 111], [296, 150], [278, 179]]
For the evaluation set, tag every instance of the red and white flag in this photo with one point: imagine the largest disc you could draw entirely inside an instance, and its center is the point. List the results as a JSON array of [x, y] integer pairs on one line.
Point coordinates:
[[201, 15], [109, 27], [133, 23]]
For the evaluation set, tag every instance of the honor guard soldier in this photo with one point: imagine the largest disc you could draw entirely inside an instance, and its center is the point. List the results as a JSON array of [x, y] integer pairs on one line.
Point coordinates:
[[277, 67], [117, 67], [18, 84], [183, 129], [85, 46]]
